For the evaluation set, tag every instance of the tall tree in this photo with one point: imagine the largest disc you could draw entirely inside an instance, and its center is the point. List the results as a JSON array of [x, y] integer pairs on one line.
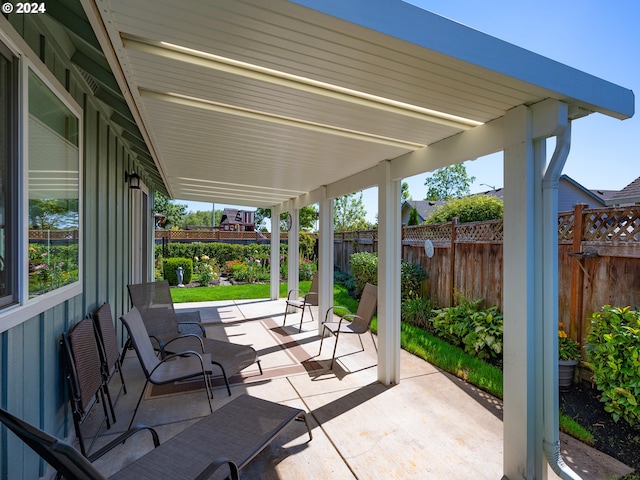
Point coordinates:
[[200, 219], [349, 213], [449, 182], [308, 217], [173, 212], [404, 193]]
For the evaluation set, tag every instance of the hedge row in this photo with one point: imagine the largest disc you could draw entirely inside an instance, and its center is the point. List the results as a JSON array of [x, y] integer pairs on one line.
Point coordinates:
[[223, 252]]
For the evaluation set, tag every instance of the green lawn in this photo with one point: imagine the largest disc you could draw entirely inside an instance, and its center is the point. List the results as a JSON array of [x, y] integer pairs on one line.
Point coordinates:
[[413, 339]]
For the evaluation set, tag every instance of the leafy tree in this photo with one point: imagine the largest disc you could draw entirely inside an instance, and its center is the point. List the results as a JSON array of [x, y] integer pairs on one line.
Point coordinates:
[[475, 208], [308, 217], [413, 216], [199, 218], [404, 192], [52, 214], [173, 212], [349, 213], [448, 182]]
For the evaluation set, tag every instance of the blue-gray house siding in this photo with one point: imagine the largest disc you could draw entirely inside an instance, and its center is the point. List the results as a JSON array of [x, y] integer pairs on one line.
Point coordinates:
[[31, 377]]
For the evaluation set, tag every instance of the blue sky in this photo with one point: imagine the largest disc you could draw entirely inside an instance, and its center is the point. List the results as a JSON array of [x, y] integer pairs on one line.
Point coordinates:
[[597, 37]]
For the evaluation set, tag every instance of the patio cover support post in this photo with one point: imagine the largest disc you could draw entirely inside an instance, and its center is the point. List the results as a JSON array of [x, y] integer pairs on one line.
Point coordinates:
[[522, 179], [275, 251], [325, 257], [389, 254], [293, 249]]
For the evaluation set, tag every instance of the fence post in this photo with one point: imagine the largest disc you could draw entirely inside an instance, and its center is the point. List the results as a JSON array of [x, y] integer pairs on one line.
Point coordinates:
[[577, 276], [452, 272]]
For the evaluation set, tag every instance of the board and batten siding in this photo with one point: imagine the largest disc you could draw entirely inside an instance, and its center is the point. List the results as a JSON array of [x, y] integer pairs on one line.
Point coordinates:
[[31, 372]]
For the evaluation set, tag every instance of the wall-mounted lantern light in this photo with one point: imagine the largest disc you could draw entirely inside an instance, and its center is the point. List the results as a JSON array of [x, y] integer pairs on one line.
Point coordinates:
[[133, 179]]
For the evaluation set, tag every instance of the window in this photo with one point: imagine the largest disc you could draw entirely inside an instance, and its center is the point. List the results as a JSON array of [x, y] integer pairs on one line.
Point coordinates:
[[53, 185], [8, 177]]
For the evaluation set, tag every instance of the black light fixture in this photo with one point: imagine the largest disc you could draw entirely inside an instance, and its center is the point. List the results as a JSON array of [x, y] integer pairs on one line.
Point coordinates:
[[133, 179]]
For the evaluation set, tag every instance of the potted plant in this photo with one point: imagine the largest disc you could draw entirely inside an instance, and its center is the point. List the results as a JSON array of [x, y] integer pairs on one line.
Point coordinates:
[[568, 358]]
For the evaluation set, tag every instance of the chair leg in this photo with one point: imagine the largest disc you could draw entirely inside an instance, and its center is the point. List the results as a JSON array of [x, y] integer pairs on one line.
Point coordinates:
[[138, 404], [321, 340], [224, 375], [259, 366], [374, 341], [301, 318], [361, 344], [119, 367], [286, 310], [335, 347], [108, 394]]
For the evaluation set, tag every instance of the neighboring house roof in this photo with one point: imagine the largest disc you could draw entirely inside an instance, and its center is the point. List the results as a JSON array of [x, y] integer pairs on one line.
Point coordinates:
[[424, 207], [629, 194], [605, 195]]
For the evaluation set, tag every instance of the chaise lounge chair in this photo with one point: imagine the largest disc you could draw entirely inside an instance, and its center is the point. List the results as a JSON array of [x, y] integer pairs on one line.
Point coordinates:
[[153, 301]]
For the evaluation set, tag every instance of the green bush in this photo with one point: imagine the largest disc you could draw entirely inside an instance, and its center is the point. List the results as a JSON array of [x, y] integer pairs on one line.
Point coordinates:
[[417, 311], [478, 331], [205, 269], [222, 252], [170, 268], [411, 277], [613, 354], [476, 208], [364, 268]]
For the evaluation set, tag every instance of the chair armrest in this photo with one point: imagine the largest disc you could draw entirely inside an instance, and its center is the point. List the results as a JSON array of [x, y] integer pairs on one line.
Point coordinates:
[[291, 291], [186, 353], [185, 336], [121, 439], [326, 315], [217, 463]]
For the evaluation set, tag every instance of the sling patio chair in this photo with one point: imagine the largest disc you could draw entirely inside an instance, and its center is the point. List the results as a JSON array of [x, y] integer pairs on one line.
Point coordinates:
[[304, 303], [170, 369], [155, 305], [108, 344], [357, 323], [168, 460]]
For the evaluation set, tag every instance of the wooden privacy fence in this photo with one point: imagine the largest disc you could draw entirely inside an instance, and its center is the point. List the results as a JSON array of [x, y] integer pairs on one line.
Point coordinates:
[[598, 260]]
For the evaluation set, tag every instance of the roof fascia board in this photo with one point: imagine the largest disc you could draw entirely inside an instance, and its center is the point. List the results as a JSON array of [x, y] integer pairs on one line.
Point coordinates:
[[428, 30], [109, 41]]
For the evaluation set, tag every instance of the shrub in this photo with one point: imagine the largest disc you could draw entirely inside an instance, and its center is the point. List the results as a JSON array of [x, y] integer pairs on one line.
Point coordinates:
[[364, 268], [206, 269], [170, 268], [411, 277], [614, 356], [476, 208], [478, 331], [306, 269], [417, 311]]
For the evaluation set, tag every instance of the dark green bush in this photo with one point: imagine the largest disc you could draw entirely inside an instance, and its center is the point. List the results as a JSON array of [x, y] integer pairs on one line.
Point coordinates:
[[222, 252], [170, 269], [478, 331], [613, 354], [411, 277]]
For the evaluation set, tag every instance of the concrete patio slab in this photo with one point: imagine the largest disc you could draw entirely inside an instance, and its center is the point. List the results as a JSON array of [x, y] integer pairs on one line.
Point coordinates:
[[431, 425]]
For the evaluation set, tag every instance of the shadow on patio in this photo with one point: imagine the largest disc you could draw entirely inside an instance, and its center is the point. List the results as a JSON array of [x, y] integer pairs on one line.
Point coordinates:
[[431, 425]]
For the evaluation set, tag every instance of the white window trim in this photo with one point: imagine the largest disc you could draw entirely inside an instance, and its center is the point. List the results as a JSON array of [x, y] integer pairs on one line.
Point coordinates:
[[29, 308]]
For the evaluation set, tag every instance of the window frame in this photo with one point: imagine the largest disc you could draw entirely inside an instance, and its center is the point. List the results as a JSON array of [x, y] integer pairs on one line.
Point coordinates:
[[26, 308]]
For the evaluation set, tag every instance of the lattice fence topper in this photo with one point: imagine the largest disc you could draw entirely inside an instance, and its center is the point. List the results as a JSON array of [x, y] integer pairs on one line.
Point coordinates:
[[480, 232], [565, 226], [612, 226], [439, 232]]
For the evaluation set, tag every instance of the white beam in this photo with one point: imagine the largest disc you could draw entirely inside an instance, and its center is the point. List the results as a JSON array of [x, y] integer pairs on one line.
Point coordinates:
[[469, 145], [520, 295], [275, 252], [293, 249], [389, 254], [325, 259]]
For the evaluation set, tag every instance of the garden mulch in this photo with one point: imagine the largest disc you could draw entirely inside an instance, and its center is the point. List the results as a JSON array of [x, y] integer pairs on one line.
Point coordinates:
[[617, 439]]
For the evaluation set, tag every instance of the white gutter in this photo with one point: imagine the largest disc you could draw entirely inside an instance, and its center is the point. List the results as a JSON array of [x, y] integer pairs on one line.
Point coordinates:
[[550, 182]]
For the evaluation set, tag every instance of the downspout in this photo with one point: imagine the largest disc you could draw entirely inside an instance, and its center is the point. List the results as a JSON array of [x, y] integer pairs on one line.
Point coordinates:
[[550, 183]]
